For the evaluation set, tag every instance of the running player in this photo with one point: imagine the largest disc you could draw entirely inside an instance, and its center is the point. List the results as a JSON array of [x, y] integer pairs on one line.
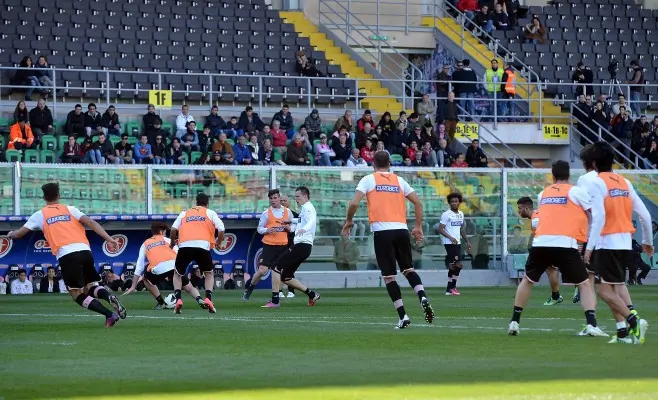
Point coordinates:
[[285, 201], [161, 263], [197, 234], [616, 199], [563, 223], [385, 195], [526, 210], [274, 225], [452, 230], [290, 261], [64, 229]]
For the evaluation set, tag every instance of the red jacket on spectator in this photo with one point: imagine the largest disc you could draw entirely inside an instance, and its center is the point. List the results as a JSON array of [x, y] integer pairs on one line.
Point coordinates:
[[467, 5], [17, 136], [362, 121], [279, 137], [368, 154]]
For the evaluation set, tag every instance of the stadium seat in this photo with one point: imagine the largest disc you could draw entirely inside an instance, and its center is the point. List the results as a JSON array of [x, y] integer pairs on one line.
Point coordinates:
[[31, 156], [13, 155], [37, 274], [49, 142]]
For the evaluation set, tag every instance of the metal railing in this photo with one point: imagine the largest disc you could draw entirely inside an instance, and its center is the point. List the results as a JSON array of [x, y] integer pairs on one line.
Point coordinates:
[[383, 15]]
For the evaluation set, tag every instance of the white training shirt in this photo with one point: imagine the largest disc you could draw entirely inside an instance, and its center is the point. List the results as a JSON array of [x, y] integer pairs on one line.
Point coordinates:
[[579, 197], [159, 269], [620, 241], [453, 222], [35, 222], [367, 184], [201, 244], [307, 223], [278, 213], [585, 182]]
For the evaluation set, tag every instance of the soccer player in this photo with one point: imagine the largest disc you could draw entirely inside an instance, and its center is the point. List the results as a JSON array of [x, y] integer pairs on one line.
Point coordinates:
[[385, 195], [197, 234], [525, 208], [290, 261], [161, 263], [563, 209], [274, 225], [451, 227], [285, 201], [616, 199], [64, 229]]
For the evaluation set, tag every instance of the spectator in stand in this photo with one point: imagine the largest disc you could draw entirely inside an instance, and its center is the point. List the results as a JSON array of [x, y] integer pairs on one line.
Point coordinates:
[[475, 157], [451, 117], [468, 86], [641, 131], [279, 138], [368, 152], [425, 110], [159, 151], [72, 152], [190, 140], [343, 131], [75, 122], [380, 147], [233, 128], [600, 117], [442, 90], [654, 126], [182, 119], [534, 32], [508, 92], [123, 151], [26, 77], [91, 152], [41, 119], [440, 132], [501, 21], [285, 120], [468, 7], [106, 150], [402, 118], [249, 121], [583, 115], [268, 155], [621, 102], [622, 129], [429, 155], [650, 155], [636, 85], [305, 66], [460, 162], [296, 154], [308, 143], [323, 152], [45, 75], [216, 159], [216, 123], [21, 137], [484, 21], [492, 78], [386, 123], [361, 123], [406, 161], [148, 120], [313, 125], [342, 151], [93, 121], [254, 148], [22, 285], [110, 122], [143, 151], [265, 134], [206, 140], [20, 112], [418, 161], [355, 160], [176, 155], [156, 131], [225, 148], [412, 149], [583, 78], [444, 155], [50, 283], [398, 140], [241, 152], [362, 135], [346, 121]]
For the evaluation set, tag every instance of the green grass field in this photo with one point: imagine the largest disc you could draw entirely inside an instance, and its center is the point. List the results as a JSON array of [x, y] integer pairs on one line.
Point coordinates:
[[344, 348]]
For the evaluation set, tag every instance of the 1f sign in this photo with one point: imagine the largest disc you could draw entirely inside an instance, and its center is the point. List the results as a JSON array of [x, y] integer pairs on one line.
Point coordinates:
[[160, 98]]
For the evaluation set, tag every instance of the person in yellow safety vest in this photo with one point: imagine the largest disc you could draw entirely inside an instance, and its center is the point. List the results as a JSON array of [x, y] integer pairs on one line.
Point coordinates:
[[508, 89], [492, 78]]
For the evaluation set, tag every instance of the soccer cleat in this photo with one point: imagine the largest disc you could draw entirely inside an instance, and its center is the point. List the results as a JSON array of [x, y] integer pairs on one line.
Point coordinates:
[[576, 296], [159, 307], [403, 323], [178, 306], [311, 302], [118, 307], [281, 295], [448, 293], [552, 302], [111, 320], [513, 329], [210, 305], [626, 340], [202, 304], [247, 294], [639, 281], [590, 330], [291, 295], [640, 331], [455, 292], [269, 304], [427, 308]]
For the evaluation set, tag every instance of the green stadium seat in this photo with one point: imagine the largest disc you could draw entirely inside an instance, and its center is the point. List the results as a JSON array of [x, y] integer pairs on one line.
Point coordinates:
[[135, 207], [114, 140], [13, 156], [168, 126], [311, 158], [100, 175], [181, 191], [99, 207], [101, 192], [195, 155], [49, 142], [31, 156], [61, 141], [396, 158], [48, 156], [3, 142], [132, 140], [134, 128], [6, 206], [196, 189], [230, 141], [217, 190], [80, 140]]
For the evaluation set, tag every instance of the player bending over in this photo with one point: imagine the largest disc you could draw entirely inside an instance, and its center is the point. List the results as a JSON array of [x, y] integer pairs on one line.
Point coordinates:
[[161, 264], [64, 229], [525, 208], [452, 230]]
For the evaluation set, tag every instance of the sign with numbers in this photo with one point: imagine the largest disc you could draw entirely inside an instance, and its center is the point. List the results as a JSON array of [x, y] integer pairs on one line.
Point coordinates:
[[556, 132], [160, 98], [468, 131]]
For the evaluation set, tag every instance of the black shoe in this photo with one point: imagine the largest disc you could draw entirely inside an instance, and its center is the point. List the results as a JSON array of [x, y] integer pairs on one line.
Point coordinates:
[[120, 309], [201, 304], [631, 282], [639, 281], [427, 308], [159, 307]]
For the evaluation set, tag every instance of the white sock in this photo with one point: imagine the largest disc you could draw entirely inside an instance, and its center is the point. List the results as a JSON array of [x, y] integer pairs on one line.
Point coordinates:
[[621, 325]]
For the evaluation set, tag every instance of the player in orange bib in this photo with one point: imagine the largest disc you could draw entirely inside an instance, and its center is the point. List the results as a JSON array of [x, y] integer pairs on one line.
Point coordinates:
[[194, 232], [525, 208], [616, 199], [562, 226], [386, 195], [161, 264], [64, 229]]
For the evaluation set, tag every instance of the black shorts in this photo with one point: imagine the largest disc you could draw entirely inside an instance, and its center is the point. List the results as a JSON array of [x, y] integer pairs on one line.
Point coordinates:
[[78, 269], [271, 253], [567, 261], [391, 246], [610, 265], [453, 254], [288, 263], [167, 276], [187, 255]]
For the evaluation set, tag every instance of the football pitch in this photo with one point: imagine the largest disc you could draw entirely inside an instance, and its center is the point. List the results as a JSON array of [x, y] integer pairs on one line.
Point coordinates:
[[343, 348]]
